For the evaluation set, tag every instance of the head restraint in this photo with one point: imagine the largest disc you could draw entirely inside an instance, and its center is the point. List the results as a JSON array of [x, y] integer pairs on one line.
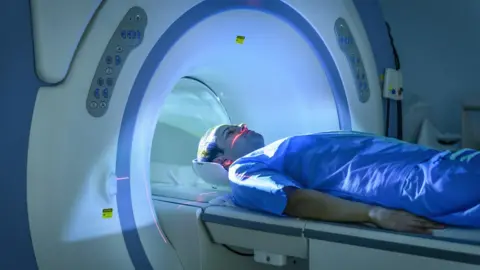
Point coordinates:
[[211, 172]]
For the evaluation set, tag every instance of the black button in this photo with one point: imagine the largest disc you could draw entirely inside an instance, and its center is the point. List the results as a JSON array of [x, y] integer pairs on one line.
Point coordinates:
[[100, 81], [109, 81], [108, 60]]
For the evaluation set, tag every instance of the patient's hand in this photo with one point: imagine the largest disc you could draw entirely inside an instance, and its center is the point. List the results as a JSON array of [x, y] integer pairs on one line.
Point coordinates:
[[401, 221]]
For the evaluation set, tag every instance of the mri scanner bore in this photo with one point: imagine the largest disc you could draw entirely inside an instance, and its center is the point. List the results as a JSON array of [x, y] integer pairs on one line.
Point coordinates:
[[188, 111]]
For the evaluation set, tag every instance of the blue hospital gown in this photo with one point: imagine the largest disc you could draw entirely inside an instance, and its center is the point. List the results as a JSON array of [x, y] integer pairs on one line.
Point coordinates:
[[443, 186]]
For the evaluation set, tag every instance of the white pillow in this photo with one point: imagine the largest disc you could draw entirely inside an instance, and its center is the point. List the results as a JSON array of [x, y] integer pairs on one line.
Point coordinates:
[[211, 172]]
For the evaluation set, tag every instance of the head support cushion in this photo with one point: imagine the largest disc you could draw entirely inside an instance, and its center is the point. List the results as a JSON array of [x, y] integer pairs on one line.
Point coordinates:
[[211, 172]]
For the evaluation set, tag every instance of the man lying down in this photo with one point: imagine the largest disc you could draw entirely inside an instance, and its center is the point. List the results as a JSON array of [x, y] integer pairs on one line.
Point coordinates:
[[348, 177]]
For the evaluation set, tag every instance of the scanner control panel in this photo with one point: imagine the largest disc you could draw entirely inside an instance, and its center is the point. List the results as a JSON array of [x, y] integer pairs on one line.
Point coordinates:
[[346, 41], [127, 36]]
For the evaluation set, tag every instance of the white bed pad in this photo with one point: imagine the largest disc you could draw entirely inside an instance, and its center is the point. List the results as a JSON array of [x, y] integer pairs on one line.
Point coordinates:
[[283, 235]]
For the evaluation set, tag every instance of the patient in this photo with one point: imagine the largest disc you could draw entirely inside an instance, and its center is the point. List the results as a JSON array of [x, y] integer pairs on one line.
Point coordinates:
[[348, 177]]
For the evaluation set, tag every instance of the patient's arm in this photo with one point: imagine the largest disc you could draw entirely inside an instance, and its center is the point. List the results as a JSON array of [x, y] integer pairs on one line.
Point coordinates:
[[312, 204]]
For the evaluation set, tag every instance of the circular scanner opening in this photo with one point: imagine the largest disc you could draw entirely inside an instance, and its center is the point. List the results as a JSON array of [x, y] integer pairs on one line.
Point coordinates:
[[187, 113]]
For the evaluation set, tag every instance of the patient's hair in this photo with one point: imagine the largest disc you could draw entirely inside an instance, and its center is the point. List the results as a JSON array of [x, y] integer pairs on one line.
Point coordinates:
[[208, 149]]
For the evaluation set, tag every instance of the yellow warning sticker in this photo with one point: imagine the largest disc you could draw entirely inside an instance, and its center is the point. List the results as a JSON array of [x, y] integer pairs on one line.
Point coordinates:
[[107, 213], [240, 39]]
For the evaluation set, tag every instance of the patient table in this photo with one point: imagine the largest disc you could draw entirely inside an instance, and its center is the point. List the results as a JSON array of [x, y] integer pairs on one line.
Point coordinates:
[[339, 246], [330, 245]]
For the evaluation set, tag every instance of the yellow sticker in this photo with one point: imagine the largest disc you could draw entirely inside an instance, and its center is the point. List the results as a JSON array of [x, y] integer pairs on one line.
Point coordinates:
[[240, 39], [107, 213]]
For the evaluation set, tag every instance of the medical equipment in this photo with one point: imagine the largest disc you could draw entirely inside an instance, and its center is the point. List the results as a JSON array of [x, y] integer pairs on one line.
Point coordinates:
[[431, 137], [84, 83], [393, 91], [470, 126], [393, 84], [211, 172]]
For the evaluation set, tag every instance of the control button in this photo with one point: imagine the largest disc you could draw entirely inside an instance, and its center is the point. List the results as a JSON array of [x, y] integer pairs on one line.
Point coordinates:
[[138, 18], [108, 70], [105, 93], [139, 34], [103, 104], [119, 49], [353, 59], [118, 60], [109, 81], [129, 34], [108, 60], [96, 93], [100, 81], [93, 105], [362, 86], [123, 34]]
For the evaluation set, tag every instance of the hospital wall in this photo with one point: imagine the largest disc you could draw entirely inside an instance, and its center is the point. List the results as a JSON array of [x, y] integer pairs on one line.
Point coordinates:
[[437, 42]]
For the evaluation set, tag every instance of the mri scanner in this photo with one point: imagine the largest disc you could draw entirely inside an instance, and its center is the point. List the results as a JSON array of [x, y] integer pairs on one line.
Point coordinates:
[[96, 153]]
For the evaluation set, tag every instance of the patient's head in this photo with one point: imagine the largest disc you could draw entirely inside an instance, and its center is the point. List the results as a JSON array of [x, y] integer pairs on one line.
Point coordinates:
[[226, 143]]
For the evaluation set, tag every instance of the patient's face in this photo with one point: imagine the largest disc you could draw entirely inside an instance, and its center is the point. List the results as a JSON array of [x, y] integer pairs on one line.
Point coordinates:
[[237, 141]]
